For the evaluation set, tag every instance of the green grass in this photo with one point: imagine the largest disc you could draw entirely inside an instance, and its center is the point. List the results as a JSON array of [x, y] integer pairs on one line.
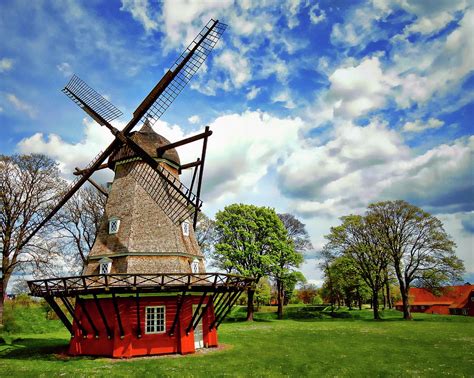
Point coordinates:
[[300, 345]]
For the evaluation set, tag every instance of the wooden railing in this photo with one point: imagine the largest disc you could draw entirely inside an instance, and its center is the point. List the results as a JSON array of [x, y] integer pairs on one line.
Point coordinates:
[[71, 286]]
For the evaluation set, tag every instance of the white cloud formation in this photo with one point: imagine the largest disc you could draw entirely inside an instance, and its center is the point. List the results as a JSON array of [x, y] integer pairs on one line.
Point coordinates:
[[69, 154], [443, 65], [285, 98], [65, 68], [356, 90], [194, 119], [419, 126], [6, 64], [316, 15], [21, 105], [253, 92], [236, 65], [360, 165], [142, 12]]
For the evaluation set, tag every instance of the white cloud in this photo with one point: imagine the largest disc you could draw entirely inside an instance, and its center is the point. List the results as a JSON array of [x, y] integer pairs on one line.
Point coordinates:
[[236, 65], [194, 119], [253, 92], [419, 126], [360, 165], [6, 64], [21, 105], [316, 15], [141, 12], [356, 90], [242, 149], [65, 68], [284, 97], [69, 155]]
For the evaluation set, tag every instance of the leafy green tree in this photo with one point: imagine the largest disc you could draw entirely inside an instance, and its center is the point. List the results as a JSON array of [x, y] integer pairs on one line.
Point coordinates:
[[263, 292], [250, 240], [291, 280], [356, 238], [418, 246], [289, 259]]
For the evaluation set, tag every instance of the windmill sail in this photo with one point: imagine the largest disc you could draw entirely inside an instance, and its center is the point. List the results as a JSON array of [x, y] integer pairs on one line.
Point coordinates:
[[90, 101], [183, 70], [169, 198]]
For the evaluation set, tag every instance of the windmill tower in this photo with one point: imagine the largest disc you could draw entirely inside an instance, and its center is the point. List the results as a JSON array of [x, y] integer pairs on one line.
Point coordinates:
[[144, 289]]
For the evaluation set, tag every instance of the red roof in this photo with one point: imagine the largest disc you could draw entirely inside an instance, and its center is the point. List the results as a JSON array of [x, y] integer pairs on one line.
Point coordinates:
[[454, 296]]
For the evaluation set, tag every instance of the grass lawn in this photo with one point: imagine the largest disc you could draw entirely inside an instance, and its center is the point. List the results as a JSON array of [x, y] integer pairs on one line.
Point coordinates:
[[301, 345]]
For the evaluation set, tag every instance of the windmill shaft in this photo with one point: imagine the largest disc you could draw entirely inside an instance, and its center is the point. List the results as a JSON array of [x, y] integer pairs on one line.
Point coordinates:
[[205, 134]]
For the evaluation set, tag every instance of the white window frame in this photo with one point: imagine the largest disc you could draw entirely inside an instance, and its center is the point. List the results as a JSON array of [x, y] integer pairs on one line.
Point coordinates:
[[185, 228], [112, 229], [195, 266], [107, 267], [156, 325]]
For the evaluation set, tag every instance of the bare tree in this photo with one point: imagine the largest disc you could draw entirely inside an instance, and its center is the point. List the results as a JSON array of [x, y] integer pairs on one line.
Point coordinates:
[[205, 234], [79, 221], [418, 246], [29, 185]]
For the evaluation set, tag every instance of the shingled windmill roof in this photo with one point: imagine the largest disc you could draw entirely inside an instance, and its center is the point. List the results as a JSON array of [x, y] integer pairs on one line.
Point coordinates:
[[149, 140]]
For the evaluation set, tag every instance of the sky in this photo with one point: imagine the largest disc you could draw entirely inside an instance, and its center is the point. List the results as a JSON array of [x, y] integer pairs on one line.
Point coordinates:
[[318, 108]]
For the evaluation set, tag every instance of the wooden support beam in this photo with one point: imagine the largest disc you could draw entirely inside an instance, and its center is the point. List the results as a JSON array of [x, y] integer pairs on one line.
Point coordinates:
[[69, 307], [102, 315], [139, 327], [61, 315], [89, 318], [79, 172], [228, 309], [192, 184], [203, 312], [161, 150], [224, 308], [196, 313], [95, 185], [117, 313], [207, 133], [178, 311], [190, 165]]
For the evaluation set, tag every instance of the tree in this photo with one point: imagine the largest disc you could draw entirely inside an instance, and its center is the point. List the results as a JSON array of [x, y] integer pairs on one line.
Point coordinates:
[[78, 223], [289, 283], [417, 244], [29, 185], [355, 239], [307, 293], [289, 259], [205, 233], [249, 241]]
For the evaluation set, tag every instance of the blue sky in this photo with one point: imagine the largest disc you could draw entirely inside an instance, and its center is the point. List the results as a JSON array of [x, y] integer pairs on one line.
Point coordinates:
[[318, 107]]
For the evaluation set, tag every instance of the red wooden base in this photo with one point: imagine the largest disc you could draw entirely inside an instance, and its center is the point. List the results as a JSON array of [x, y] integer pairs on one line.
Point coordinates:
[[130, 344]]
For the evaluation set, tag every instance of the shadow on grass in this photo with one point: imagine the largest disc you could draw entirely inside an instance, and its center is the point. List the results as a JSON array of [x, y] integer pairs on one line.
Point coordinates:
[[34, 348]]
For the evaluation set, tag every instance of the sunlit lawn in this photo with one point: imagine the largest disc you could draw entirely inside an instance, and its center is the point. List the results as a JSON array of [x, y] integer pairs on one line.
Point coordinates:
[[429, 346]]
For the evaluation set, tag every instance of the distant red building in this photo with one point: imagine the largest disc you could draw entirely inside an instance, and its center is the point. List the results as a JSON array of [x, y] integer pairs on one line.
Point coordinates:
[[451, 300]]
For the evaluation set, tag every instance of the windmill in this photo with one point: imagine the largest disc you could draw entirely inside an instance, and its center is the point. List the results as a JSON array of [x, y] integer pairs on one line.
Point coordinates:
[[144, 289]]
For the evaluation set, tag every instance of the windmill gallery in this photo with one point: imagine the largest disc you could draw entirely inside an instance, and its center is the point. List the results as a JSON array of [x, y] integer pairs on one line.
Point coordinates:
[[144, 290]]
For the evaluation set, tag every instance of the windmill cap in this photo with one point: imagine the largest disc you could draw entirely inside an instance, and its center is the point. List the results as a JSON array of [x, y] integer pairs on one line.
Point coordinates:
[[149, 140]]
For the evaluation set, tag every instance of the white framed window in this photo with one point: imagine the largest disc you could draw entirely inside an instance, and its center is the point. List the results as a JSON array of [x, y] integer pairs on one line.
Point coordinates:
[[185, 228], [114, 224], [155, 319], [195, 266], [105, 264]]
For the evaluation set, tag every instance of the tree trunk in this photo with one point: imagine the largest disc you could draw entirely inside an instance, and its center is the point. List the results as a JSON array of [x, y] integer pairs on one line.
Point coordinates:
[[3, 293], [250, 295], [375, 304], [406, 304], [384, 300], [359, 299], [280, 298], [389, 299]]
